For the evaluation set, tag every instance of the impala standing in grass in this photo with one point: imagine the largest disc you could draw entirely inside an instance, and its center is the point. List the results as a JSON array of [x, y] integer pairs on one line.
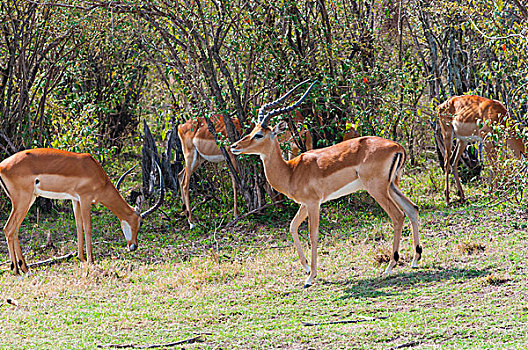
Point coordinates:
[[317, 176]]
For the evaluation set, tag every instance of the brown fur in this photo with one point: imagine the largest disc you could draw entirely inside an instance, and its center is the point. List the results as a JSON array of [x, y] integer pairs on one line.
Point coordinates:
[[78, 175], [324, 174], [198, 142], [461, 116]]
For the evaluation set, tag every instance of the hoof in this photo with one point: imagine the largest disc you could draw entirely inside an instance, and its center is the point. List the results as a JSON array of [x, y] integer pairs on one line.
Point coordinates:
[[309, 281], [386, 273], [414, 265]]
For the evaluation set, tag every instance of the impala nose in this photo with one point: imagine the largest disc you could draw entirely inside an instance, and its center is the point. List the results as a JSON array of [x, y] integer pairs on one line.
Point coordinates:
[[132, 247]]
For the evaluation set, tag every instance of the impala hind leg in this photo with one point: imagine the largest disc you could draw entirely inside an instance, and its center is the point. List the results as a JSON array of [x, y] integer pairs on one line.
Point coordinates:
[[233, 182], [192, 162], [448, 143], [385, 201], [298, 219], [11, 229], [85, 210], [79, 226], [411, 210], [313, 228]]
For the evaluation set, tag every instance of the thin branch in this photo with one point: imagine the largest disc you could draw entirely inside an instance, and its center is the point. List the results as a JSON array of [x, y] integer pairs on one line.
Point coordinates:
[[235, 220], [345, 321], [152, 346], [56, 4], [9, 142], [407, 345], [493, 37], [52, 260]]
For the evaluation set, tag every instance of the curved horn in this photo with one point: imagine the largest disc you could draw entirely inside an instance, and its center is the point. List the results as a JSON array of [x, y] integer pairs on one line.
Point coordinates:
[[118, 183], [162, 194], [275, 103], [283, 110]]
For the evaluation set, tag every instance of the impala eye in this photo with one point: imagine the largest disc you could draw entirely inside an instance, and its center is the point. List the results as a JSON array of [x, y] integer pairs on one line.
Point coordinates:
[[258, 136]]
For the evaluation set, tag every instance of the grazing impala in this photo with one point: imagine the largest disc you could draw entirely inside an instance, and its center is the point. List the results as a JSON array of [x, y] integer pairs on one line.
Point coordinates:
[[57, 174], [317, 176], [471, 118]]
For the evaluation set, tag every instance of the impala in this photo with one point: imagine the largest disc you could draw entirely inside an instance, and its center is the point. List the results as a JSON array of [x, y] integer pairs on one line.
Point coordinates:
[[471, 118], [198, 146], [317, 176], [58, 174]]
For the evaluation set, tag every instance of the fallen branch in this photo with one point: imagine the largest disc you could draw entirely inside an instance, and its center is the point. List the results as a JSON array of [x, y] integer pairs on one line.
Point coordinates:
[[407, 345], [235, 220], [152, 346], [345, 321], [52, 260]]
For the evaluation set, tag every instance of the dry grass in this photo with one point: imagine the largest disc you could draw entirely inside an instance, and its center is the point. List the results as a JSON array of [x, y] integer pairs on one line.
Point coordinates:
[[470, 248]]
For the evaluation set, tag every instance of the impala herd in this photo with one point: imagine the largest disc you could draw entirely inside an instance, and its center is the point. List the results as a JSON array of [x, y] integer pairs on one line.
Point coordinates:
[[310, 179]]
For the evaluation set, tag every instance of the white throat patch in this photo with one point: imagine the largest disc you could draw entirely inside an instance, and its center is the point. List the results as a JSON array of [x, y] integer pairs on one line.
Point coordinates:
[[127, 230]]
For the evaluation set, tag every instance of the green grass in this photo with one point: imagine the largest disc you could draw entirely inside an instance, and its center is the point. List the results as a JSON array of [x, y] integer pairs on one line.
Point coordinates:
[[242, 287]]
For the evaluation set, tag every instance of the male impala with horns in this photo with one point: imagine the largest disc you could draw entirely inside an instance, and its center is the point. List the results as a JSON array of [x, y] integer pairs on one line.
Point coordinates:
[[317, 176]]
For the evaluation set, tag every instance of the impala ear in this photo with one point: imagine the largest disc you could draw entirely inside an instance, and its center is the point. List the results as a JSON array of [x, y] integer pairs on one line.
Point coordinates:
[[279, 128]]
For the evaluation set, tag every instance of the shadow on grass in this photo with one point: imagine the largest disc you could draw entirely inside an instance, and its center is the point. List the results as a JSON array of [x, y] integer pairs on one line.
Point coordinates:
[[393, 285]]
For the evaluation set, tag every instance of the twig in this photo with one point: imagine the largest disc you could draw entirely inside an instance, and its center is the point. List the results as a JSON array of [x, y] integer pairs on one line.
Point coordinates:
[[49, 242], [52, 260], [493, 37], [345, 321], [235, 220], [152, 346], [164, 213], [407, 345], [9, 142]]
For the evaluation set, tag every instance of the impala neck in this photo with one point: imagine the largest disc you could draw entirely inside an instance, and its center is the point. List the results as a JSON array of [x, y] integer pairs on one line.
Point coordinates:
[[277, 170], [117, 204]]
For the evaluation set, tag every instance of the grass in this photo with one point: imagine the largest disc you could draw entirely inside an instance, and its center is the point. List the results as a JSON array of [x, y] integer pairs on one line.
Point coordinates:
[[242, 287]]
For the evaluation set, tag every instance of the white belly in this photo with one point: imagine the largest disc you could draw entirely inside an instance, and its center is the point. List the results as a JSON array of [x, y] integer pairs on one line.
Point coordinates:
[[472, 138], [466, 132], [352, 187], [213, 159], [55, 195]]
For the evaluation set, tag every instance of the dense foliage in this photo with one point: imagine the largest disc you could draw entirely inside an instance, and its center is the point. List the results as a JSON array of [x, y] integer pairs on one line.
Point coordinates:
[[80, 75]]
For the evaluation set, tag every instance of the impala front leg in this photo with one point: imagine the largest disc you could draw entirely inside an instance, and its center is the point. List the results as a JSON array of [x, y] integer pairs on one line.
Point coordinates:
[[448, 140], [313, 228], [301, 215], [461, 146]]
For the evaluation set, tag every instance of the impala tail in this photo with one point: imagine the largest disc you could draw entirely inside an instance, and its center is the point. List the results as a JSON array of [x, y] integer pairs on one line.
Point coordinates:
[[408, 207]]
